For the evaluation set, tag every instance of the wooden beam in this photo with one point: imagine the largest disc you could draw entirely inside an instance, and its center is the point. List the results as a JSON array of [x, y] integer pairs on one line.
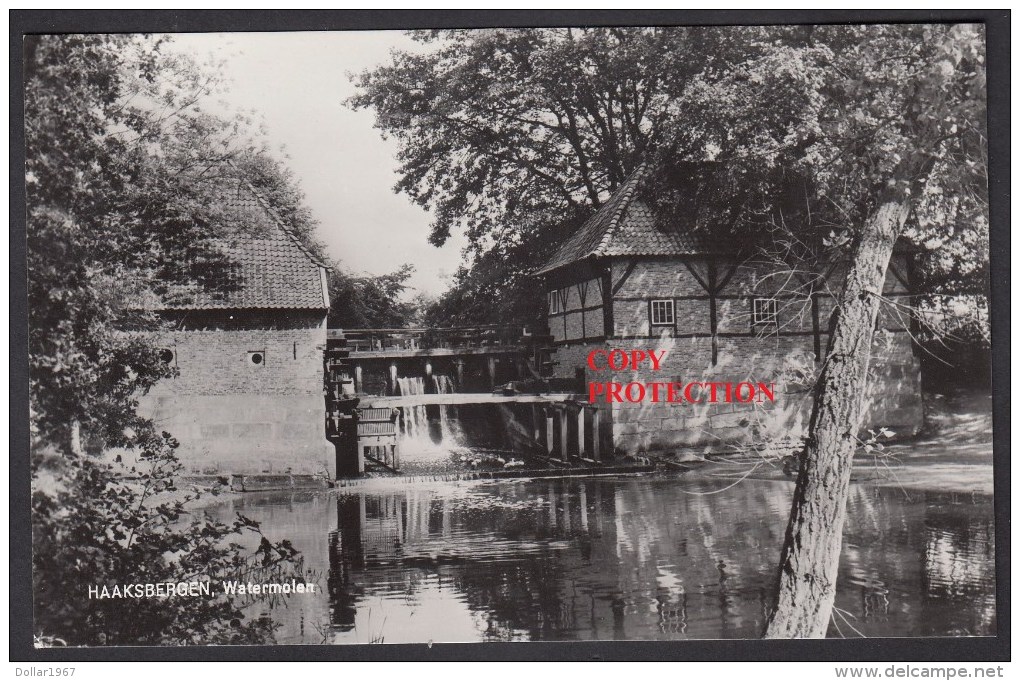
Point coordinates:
[[564, 434], [392, 353], [549, 441], [704, 284], [459, 365], [712, 312], [396, 401], [726, 278], [631, 264], [580, 432], [608, 329]]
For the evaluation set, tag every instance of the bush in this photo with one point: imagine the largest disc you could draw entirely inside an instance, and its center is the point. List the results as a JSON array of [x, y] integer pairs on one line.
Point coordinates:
[[98, 528]]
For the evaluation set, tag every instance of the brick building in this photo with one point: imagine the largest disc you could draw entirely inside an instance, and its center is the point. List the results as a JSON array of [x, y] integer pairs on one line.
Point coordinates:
[[622, 282], [249, 398]]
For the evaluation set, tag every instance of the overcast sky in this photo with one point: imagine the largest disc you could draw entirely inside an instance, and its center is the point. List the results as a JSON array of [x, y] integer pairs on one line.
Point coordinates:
[[296, 84]]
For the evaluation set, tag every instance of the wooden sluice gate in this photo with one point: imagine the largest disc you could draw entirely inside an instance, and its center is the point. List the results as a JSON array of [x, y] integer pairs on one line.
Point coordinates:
[[377, 437], [559, 431]]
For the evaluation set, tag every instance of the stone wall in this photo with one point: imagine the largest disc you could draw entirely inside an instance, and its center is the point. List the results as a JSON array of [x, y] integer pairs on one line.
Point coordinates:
[[233, 415], [246, 433]]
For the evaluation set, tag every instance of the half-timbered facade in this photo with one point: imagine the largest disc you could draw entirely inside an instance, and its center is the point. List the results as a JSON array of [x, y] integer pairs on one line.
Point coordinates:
[[623, 282]]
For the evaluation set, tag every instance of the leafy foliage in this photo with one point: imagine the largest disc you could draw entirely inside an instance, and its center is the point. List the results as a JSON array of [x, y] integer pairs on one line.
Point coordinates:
[[810, 124], [512, 134], [114, 211], [780, 136], [104, 529], [369, 302], [123, 168]]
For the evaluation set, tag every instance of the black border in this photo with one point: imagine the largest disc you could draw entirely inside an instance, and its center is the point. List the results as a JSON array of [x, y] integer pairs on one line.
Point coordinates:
[[995, 648]]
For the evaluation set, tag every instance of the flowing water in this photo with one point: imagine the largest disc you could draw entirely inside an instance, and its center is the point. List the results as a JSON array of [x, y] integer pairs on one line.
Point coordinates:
[[649, 558], [429, 435]]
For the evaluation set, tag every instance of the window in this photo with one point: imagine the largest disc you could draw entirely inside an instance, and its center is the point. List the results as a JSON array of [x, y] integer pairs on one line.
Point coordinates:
[[554, 302], [257, 358], [662, 313], [764, 311]]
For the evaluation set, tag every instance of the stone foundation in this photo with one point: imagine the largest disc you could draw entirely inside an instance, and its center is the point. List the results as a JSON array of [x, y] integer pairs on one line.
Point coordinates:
[[893, 401], [245, 434]]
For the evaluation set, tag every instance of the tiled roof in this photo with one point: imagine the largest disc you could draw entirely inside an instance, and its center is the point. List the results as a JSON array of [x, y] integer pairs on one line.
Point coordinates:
[[623, 226], [271, 269]]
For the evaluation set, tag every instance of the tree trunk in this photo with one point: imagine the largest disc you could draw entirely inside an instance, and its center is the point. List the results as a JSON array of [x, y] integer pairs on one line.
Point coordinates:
[[74, 439], [810, 558]]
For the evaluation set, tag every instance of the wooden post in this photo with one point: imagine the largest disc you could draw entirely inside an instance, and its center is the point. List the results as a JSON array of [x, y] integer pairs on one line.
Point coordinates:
[[564, 434], [596, 434], [358, 384], [535, 425], [583, 501], [548, 431], [459, 364], [395, 456], [492, 371], [580, 432]]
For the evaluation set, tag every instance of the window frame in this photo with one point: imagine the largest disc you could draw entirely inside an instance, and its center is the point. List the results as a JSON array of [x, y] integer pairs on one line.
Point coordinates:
[[769, 317], [652, 324], [555, 304]]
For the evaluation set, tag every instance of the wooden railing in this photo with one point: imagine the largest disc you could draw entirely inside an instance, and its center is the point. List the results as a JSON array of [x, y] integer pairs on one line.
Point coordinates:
[[366, 340]]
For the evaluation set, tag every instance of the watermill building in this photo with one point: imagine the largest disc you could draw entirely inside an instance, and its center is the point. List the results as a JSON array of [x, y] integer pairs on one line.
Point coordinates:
[[248, 395], [626, 281]]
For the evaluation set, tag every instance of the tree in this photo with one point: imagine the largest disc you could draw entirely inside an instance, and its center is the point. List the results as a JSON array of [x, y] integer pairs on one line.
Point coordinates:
[[369, 302], [514, 135], [102, 530], [811, 142], [115, 209], [122, 171], [881, 129]]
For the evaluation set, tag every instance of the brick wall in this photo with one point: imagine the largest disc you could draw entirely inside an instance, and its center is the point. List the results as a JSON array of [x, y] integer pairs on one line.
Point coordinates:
[[575, 311], [212, 357], [233, 416], [893, 398]]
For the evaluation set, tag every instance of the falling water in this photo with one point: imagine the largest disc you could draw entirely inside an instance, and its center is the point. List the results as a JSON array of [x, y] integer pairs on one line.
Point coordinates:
[[414, 420], [444, 386], [416, 442]]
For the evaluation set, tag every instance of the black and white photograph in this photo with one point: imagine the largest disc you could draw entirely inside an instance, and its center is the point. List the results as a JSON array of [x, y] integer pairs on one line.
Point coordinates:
[[585, 333]]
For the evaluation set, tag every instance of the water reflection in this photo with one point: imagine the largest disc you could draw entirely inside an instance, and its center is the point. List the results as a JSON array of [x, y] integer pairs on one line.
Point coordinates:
[[618, 558]]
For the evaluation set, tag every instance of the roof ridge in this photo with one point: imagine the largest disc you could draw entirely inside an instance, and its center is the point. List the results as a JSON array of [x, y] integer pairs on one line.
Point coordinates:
[[280, 222], [629, 189], [284, 227]]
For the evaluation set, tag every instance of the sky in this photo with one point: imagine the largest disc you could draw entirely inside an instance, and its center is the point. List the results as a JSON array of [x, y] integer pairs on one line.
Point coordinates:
[[295, 84]]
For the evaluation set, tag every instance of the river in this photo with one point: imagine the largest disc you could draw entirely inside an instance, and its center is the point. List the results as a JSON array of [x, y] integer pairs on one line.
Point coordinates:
[[657, 557]]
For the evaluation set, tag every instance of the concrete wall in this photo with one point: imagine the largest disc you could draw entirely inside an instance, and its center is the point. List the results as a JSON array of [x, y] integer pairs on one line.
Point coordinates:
[[233, 416], [786, 358]]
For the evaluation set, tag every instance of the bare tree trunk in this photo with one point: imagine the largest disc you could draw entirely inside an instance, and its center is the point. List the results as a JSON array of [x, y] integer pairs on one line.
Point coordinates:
[[74, 438], [810, 557]]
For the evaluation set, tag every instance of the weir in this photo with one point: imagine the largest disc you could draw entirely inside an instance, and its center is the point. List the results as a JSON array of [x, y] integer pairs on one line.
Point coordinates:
[[388, 388]]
